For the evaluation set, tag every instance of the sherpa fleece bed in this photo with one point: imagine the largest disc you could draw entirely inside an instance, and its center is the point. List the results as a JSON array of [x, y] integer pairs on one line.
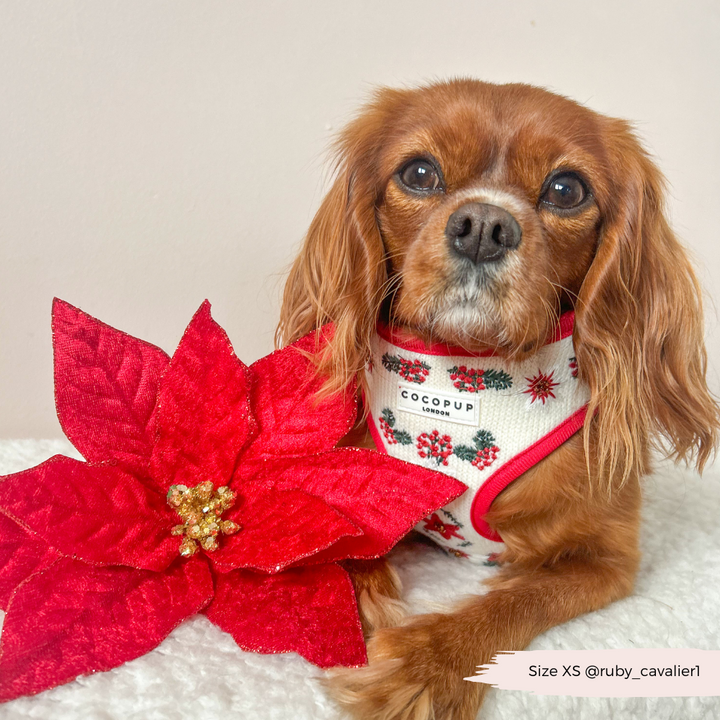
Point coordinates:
[[198, 673]]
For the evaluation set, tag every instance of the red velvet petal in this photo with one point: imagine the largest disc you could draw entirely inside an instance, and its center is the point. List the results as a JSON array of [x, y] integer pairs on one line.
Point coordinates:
[[311, 611], [383, 496], [278, 529], [97, 513], [203, 413], [21, 554], [105, 388], [72, 619], [283, 393]]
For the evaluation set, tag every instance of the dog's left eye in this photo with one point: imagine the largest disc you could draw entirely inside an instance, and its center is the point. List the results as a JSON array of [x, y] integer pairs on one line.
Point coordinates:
[[565, 191], [420, 175]]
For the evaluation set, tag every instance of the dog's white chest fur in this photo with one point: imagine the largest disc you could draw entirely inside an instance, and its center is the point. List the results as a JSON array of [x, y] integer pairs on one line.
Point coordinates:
[[482, 419]]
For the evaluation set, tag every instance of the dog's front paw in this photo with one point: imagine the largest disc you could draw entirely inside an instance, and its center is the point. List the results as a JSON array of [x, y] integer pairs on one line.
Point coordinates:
[[378, 589], [415, 672]]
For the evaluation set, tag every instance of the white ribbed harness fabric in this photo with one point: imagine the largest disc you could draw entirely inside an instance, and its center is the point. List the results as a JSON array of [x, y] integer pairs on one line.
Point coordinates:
[[483, 419]]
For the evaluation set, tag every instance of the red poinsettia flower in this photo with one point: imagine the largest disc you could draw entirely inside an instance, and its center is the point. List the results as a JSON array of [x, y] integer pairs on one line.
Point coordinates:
[[209, 486], [447, 530]]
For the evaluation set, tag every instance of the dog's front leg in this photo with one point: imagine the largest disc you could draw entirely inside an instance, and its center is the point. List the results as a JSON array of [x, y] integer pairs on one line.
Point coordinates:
[[566, 555], [417, 669]]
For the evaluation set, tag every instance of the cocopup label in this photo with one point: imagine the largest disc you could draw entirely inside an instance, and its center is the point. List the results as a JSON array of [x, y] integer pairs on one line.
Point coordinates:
[[453, 407]]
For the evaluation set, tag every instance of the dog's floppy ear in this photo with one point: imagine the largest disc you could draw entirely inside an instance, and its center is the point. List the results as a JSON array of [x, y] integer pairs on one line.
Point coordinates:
[[639, 327], [340, 273]]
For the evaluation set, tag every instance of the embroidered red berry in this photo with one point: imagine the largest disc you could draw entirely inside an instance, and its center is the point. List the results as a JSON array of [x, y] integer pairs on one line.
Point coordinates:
[[386, 422], [573, 365], [486, 457], [415, 371], [387, 431], [435, 446], [467, 380], [402, 437], [392, 435], [483, 454], [473, 379]]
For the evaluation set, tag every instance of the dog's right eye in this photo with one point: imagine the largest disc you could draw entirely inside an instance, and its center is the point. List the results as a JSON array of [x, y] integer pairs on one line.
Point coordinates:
[[420, 175]]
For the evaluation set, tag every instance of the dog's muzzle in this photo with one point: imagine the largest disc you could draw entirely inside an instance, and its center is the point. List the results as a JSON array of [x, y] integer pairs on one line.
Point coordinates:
[[482, 233]]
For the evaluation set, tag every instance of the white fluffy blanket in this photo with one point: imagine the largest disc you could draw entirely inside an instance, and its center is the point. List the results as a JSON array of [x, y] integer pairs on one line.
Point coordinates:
[[199, 673]]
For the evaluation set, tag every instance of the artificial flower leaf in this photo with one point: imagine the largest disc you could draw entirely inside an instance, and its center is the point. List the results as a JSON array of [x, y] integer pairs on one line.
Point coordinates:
[[118, 586], [291, 417], [385, 497], [73, 619], [97, 513], [279, 528], [203, 413], [21, 554], [106, 385], [311, 611]]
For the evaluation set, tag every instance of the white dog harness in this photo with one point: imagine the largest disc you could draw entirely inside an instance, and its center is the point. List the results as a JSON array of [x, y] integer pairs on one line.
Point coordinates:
[[481, 418]]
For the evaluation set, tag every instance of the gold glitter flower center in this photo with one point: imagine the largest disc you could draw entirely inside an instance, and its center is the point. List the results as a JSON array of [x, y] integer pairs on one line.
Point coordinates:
[[201, 508]]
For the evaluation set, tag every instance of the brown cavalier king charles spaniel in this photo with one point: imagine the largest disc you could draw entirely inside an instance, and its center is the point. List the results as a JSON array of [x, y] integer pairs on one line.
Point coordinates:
[[474, 214]]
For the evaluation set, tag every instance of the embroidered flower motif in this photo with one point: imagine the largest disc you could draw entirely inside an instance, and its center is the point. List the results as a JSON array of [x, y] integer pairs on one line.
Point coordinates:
[[435, 446], [387, 425], [447, 530], [573, 365], [541, 386], [371, 364], [483, 454], [492, 560], [414, 371], [91, 562], [472, 380]]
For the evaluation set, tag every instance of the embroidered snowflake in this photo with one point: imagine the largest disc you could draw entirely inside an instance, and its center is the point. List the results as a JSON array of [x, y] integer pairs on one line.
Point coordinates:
[[541, 386], [435, 446], [447, 530]]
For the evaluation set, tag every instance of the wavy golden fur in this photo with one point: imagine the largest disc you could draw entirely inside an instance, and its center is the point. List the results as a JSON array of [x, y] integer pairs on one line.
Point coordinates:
[[378, 249]]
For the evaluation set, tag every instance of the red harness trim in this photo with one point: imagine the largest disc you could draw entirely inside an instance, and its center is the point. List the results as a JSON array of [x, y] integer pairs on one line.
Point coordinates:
[[563, 329], [516, 466]]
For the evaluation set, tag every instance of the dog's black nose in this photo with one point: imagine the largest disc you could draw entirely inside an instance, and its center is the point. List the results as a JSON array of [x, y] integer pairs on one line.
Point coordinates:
[[482, 232]]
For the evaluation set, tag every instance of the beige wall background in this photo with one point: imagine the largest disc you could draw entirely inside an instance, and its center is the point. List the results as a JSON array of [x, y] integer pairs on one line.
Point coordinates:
[[156, 153]]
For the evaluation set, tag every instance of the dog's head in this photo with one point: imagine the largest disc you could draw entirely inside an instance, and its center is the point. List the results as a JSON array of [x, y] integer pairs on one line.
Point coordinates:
[[474, 214]]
